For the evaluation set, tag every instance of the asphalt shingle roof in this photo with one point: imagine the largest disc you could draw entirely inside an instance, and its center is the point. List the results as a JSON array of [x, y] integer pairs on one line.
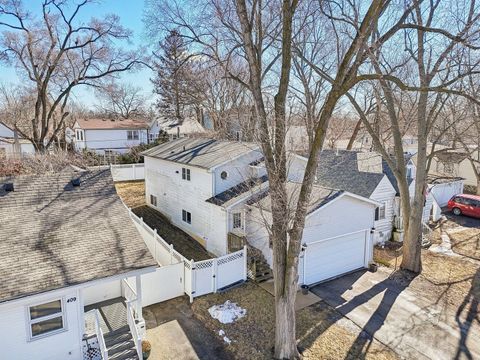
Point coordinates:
[[338, 169], [319, 197], [204, 153], [237, 190], [54, 235]]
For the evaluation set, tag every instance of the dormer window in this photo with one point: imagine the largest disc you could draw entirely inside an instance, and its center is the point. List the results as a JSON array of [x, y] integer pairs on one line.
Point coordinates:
[[186, 174]]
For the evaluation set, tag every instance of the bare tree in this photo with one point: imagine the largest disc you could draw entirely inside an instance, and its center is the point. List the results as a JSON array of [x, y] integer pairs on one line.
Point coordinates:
[[57, 52], [261, 34], [121, 100]]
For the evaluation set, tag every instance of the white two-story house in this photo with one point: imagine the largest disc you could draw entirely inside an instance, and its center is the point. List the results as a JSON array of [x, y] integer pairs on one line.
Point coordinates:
[[11, 144], [109, 135], [218, 192]]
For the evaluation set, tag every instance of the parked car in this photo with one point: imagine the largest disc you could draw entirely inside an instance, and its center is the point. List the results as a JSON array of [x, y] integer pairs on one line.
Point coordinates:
[[465, 204]]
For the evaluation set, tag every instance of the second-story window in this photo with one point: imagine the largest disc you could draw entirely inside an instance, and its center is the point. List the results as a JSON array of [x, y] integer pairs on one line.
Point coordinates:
[[237, 220], [132, 134], [186, 174]]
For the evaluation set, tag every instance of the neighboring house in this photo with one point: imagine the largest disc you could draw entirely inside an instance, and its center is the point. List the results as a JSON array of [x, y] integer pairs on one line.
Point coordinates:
[[105, 136], [12, 144], [67, 244], [174, 129], [451, 164], [217, 192]]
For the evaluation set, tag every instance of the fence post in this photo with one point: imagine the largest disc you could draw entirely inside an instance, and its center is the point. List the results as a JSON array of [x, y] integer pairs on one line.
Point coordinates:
[[245, 263], [214, 274], [192, 280], [171, 254], [155, 234], [134, 172]]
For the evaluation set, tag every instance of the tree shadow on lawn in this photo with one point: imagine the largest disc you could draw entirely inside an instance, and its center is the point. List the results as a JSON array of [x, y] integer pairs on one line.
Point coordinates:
[[471, 302], [392, 287]]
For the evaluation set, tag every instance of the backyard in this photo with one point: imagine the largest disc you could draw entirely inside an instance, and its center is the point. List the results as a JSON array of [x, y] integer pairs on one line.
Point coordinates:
[[133, 195], [357, 315]]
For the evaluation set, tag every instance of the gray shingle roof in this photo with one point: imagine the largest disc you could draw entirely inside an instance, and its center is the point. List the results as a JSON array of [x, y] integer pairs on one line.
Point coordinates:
[[237, 190], [204, 153], [320, 196], [54, 235], [339, 169]]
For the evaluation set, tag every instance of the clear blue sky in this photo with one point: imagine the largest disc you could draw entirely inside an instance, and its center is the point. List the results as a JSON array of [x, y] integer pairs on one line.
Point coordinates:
[[130, 12]]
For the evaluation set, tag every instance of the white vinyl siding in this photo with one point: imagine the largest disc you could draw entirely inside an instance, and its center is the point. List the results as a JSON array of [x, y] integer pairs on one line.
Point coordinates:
[[384, 194]]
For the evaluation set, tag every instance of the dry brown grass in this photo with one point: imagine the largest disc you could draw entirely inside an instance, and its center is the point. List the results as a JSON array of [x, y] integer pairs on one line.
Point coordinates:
[[318, 334], [132, 193], [466, 242]]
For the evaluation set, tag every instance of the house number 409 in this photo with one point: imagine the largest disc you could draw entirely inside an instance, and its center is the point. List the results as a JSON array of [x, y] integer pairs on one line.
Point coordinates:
[[72, 299]]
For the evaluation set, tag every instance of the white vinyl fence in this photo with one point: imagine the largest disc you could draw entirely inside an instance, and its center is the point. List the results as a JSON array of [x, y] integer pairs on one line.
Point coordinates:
[[128, 172], [445, 191], [195, 278]]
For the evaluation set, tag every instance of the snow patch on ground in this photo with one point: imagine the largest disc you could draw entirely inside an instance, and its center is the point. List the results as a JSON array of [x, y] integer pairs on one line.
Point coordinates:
[[227, 313], [445, 247]]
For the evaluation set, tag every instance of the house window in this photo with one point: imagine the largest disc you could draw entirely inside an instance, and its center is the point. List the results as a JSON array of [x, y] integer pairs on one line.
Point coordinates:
[[186, 217], [153, 200], [186, 174], [46, 318], [79, 135], [237, 220], [380, 212], [132, 134], [224, 175]]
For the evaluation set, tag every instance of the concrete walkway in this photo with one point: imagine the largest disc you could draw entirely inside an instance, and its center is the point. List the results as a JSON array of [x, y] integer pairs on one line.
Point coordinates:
[[409, 323], [175, 333]]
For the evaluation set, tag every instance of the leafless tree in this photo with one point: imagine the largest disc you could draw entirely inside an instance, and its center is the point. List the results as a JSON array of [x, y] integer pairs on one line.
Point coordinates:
[[120, 100], [57, 52]]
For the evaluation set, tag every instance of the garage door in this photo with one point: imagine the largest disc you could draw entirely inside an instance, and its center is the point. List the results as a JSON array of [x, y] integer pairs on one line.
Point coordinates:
[[333, 257]]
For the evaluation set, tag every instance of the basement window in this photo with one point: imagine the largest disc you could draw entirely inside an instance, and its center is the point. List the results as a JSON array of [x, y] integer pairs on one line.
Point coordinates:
[[46, 319], [186, 217], [153, 200]]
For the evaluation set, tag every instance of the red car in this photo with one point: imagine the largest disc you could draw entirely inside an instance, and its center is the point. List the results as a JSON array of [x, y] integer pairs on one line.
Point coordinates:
[[465, 204]]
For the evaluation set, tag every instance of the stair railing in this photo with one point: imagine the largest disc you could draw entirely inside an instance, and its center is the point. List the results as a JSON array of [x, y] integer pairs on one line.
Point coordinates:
[[132, 324], [99, 333]]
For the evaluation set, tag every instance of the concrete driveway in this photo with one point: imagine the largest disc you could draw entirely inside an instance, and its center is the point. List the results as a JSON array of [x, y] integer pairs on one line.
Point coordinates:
[[412, 324]]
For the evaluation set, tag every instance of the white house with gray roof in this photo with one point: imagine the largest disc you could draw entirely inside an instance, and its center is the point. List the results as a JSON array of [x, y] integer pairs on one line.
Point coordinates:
[[216, 191], [67, 245]]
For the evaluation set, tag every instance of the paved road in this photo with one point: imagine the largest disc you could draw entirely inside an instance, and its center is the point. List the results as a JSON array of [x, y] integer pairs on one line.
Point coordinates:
[[410, 323]]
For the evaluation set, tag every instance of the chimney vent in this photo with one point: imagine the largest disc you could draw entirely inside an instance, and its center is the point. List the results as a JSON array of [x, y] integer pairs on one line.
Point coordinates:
[[8, 187], [76, 182]]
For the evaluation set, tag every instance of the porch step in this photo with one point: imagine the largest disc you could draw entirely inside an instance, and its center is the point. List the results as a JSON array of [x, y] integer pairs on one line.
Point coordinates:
[[259, 270], [120, 345]]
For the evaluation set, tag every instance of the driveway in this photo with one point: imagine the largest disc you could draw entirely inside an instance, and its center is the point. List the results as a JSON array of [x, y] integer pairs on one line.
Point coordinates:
[[411, 323], [175, 333]]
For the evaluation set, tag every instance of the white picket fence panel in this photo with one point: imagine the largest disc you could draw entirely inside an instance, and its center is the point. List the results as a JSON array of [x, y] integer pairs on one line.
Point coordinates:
[[199, 277], [128, 172]]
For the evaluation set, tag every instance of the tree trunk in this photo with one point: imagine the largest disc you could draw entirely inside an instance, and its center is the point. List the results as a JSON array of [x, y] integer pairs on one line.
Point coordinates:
[[285, 343], [412, 259], [354, 134]]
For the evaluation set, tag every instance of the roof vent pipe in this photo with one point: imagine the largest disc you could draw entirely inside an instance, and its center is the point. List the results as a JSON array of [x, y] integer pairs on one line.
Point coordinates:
[[9, 187], [76, 182]]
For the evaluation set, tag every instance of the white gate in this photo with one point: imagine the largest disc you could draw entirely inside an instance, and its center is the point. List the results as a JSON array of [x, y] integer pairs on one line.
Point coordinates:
[[445, 191]]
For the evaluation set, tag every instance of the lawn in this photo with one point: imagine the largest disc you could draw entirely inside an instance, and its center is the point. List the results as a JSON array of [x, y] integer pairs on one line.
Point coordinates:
[[133, 194], [322, 332]]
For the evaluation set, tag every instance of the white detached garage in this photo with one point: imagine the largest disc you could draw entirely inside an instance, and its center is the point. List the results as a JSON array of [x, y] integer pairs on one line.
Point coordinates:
[[337, 238]]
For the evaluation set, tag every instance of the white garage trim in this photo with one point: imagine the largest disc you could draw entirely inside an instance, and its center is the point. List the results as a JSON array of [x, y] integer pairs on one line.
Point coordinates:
[[359, 259]]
